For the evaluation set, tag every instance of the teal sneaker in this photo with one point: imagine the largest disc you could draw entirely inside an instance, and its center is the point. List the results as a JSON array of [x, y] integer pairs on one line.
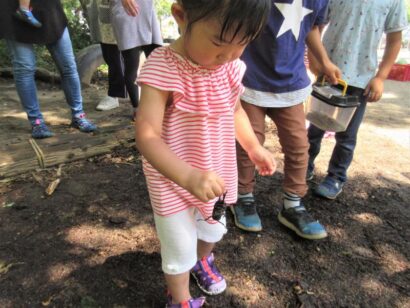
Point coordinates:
[[302, 223], [245, 215], [83, 124], [39, 130], [329, 188]]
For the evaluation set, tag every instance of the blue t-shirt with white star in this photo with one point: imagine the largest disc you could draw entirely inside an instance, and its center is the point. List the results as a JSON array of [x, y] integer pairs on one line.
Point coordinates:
[[275, 60], [352, 41]]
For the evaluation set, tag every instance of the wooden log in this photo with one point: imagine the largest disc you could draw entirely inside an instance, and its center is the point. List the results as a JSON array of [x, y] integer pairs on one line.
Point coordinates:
[[16, 159], [21, 157]]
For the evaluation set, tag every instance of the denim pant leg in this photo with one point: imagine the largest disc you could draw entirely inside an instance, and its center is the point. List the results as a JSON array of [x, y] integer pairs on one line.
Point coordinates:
[[24, 68], [342, 155], [315, 136], [63, 55]]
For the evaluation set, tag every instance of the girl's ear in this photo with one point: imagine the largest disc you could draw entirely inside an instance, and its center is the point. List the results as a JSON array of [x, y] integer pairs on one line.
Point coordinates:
[[179, 15]]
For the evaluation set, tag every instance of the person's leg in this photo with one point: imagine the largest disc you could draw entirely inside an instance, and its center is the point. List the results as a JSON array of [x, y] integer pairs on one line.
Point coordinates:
[[290, 123], [131, 62], [178, 238], [342, 154], [24, 68], [63, 55], [205, 272], [147, 49], [116, 82], [315, 136], [245, 214]]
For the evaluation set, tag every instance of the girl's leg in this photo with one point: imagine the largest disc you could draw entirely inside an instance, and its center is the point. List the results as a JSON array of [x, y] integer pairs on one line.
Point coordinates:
[[204, 249], [178, 237], [178, 287], [207, 275]]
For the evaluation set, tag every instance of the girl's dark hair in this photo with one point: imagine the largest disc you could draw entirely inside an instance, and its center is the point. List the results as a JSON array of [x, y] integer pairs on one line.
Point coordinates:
[[245, 17]]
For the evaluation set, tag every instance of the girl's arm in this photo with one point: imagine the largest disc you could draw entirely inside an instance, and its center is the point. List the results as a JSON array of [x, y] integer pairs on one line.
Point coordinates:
[[205, 185], [262, 158], [318, 51]]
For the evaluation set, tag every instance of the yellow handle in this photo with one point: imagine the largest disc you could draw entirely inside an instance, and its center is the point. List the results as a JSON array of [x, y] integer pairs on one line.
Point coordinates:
[[341, 82]]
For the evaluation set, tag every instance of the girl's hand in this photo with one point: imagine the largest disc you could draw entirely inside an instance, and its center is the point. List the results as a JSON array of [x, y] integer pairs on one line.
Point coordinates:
[[264, 161], [205, 185], [374, 89], [131, 7]]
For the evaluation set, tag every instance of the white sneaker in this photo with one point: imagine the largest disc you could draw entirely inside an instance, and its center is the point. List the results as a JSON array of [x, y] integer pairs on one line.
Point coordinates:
[[108, 103]]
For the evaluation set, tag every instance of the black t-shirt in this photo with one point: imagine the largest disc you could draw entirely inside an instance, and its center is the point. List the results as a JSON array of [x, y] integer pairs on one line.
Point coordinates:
[[49, 12]]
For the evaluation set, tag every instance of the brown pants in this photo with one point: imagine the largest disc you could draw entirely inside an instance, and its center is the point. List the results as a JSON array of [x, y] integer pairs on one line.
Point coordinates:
[[290, 123]]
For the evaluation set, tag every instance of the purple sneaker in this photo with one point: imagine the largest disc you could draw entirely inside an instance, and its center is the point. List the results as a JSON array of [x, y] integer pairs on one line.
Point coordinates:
[[192, 303], [207, 276]]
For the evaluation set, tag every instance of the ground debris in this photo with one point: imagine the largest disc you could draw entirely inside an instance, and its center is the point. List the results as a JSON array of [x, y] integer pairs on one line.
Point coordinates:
[[304, 296]]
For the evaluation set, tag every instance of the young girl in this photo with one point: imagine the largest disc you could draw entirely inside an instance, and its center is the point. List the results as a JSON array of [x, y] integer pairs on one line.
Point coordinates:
[[24, 13], [186, 124]]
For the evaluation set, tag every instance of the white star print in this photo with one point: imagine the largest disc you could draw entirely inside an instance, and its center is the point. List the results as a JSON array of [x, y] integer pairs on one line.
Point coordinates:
[[293, 14]]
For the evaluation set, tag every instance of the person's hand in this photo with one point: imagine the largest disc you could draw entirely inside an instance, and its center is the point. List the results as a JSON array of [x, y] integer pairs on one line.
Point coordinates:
[[374, 89], [205, 185], [131, 7], [331, 72], [263, 159]]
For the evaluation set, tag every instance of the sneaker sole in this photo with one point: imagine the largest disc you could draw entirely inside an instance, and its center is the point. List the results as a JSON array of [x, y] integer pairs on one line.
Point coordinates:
[[242, 227], [286, 223], [206, 291]]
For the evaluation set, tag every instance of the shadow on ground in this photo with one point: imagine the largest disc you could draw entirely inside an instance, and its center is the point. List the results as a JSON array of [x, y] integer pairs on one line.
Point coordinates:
[[93, 244]]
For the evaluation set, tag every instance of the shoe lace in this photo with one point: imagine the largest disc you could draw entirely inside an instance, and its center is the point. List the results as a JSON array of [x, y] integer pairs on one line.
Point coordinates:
[[303, 214], [248, 206]]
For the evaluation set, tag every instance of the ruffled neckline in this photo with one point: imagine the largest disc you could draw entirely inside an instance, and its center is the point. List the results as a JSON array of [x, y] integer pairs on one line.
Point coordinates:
[[189, 65]]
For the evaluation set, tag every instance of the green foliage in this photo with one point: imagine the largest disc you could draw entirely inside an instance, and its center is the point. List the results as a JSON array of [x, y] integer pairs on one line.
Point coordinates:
[[163, 8], [79, 31]]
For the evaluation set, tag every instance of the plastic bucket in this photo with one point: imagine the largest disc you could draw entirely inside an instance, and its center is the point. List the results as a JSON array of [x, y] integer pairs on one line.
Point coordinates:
[[329, 108]]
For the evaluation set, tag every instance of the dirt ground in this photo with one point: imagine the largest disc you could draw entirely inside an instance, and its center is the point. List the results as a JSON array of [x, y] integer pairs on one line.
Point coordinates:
[[92, 242]]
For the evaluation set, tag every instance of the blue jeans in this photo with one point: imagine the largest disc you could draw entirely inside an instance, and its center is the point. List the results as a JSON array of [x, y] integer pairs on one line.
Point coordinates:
[[342, 155], [24, 68]]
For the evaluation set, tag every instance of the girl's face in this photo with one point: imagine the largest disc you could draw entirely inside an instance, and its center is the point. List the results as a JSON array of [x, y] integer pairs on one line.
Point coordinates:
[[202, 44]]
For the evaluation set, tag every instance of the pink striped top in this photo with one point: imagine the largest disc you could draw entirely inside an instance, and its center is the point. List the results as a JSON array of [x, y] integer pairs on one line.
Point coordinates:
[[198, 125]]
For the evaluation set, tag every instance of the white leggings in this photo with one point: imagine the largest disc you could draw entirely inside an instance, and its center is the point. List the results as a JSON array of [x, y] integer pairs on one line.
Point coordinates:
[[179, 234]]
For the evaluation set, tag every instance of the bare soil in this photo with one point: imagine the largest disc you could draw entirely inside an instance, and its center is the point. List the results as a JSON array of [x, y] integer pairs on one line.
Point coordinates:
[[92, 243]]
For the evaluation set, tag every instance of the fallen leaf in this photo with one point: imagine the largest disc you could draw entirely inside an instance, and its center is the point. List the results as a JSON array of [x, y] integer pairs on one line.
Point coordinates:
[[47, 302], [9, 204], [52, 187], [119, 283]]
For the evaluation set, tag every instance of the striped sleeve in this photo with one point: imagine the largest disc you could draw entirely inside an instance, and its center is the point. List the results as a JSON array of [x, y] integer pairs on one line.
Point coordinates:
[[160, 72]]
